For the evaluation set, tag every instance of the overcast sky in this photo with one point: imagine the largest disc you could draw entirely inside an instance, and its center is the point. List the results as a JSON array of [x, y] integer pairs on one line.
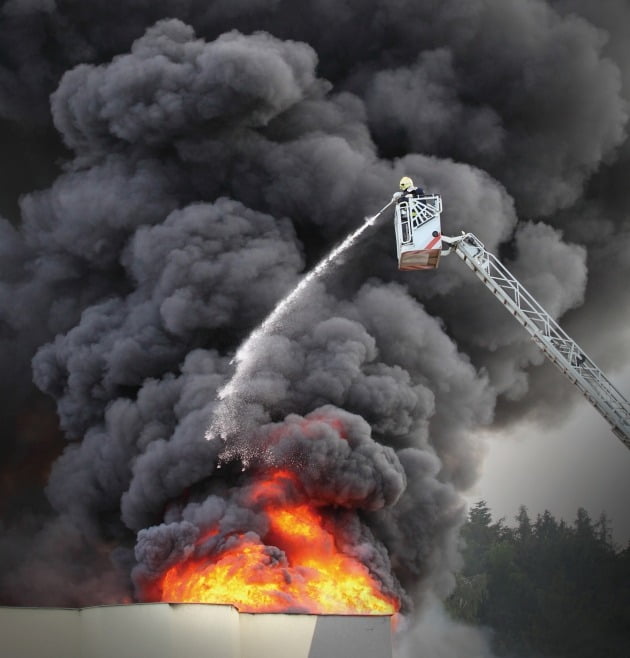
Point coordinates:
[[578, 464]]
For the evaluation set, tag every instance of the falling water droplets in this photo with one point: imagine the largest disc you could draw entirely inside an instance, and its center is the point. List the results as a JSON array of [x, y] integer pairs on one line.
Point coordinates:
[[226, 421]]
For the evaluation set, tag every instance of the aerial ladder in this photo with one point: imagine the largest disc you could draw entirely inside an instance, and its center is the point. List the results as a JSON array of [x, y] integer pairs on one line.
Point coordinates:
[[420, 245]]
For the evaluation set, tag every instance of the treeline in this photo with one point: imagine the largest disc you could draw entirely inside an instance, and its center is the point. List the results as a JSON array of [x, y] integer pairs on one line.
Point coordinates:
[[543, 587]]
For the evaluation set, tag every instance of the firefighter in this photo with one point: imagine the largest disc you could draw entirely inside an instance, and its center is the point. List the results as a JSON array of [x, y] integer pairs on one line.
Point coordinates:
[[407, 188]]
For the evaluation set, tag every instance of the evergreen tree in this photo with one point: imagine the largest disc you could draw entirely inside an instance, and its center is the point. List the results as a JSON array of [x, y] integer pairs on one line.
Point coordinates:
[[603, 530], [524, 527], [546, 589]]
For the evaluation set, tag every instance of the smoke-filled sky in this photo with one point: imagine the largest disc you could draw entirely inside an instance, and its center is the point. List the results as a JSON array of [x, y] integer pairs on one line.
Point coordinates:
[[171, 170]]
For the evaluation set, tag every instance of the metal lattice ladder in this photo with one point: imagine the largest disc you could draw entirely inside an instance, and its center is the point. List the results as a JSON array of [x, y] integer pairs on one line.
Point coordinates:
[[557, 346]]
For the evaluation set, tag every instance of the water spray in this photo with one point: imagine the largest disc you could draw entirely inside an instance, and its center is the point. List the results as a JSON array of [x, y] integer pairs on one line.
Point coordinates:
[[225, 417]]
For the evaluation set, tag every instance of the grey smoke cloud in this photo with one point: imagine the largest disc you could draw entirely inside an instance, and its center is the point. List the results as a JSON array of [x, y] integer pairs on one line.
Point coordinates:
[[171, 82], [492, 96], [215, 153], [205, 267], [437, 635]]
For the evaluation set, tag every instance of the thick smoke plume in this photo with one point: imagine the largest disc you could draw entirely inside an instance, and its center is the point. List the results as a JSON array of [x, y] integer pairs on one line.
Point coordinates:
[[174, 168]]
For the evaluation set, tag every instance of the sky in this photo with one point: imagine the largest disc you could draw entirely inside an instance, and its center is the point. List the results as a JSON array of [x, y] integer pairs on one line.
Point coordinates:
[[172, 169], [554, 469]]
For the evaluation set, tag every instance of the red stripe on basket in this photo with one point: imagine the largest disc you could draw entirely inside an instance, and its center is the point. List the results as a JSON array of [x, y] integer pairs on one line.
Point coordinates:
[[433, 242]]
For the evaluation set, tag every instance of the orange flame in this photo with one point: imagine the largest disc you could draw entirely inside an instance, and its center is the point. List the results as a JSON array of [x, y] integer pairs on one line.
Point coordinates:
[[308, 574]]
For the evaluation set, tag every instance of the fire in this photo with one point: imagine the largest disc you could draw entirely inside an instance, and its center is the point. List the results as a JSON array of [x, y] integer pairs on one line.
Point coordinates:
[[299, 568]]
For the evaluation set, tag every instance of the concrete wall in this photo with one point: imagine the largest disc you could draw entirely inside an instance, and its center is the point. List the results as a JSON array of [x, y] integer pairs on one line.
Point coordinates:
[[163, 630]]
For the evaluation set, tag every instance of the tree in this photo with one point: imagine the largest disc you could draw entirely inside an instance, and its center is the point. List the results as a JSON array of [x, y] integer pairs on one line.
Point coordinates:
[[545, 588], [546, 527], [524, 528], [603, 531], [583, 525]]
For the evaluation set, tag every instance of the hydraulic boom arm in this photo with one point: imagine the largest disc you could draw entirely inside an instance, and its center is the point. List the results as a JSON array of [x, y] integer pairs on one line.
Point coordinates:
[[561, 350]]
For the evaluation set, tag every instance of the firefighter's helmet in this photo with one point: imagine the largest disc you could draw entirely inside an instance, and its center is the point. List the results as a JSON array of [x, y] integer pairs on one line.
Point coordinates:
[[405, 183]]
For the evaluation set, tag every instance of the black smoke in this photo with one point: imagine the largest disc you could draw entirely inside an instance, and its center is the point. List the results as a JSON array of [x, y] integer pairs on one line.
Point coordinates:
[[173, 168]]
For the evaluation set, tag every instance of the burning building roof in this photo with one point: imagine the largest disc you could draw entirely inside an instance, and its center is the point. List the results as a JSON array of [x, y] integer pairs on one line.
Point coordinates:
[[188, 631]]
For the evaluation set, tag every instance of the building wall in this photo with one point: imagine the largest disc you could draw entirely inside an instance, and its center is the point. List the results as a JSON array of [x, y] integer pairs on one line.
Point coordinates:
[[163, 630]]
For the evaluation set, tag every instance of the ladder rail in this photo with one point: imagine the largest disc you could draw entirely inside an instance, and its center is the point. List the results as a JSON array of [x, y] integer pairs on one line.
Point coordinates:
[[555, 343]]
